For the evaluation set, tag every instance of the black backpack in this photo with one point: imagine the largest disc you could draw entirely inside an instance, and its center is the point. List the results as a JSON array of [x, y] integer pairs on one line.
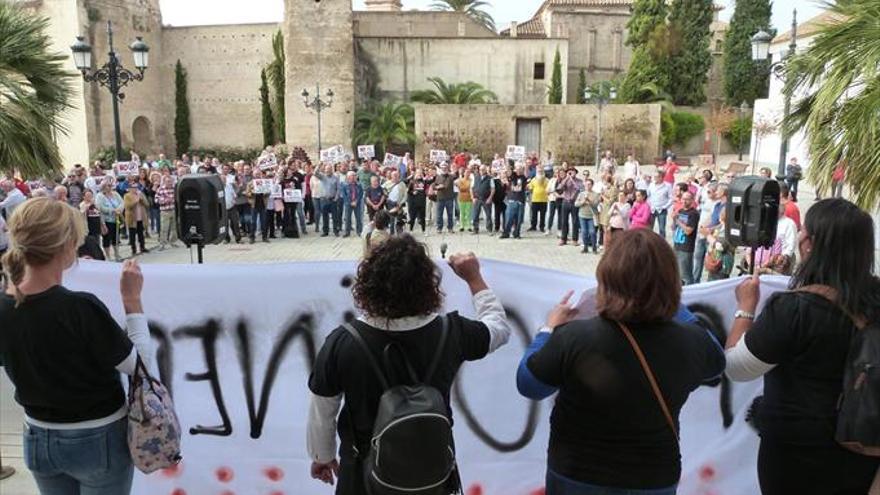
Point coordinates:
[[858, 412], [411, 450]]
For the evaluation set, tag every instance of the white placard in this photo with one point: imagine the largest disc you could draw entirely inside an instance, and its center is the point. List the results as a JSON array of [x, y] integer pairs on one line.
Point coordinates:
[[277, 190], [197, 313], [126, 168], [263, 186], [293, 196], [366, 152], [334, 154], [267, 161], [516, 153], [439, 156], [392, 160]]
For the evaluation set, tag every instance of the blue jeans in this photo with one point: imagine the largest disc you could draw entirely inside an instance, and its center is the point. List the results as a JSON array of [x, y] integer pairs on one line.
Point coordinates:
[[560, 485], [659, 217], [685, 266], [447, 205], [91, 461], [588, 233], [300, 212], [699, 257], [258, 214], [513, 218], [155, 220], [358, 212], [328, 211]]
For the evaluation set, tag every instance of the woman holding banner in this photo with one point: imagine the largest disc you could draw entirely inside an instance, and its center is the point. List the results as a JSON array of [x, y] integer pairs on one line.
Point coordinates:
[[622, 377], [799, 343], [63, 351]]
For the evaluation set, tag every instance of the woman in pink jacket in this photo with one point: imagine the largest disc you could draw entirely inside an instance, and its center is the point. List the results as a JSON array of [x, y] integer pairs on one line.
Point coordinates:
[[640, 215]]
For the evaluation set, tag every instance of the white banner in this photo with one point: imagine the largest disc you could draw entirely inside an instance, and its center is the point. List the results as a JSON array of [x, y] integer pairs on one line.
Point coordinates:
[[244, 419]]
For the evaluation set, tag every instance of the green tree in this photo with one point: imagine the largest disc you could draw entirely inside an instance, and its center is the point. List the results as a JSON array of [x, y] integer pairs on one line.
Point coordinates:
[[690, 27], [687, 125], [275, 73], [745, 79], [649, 38], [268, 121], [475, 9], [384, 125], [582, 87], [554, 92], [34, 90], [468, 93], [836, 86], [182, 131]]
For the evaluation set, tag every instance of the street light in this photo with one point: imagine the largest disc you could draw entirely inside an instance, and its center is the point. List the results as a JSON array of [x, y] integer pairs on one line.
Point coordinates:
[[318, 105], [112, 75], [760, 53], [743, 110], [603, 96]]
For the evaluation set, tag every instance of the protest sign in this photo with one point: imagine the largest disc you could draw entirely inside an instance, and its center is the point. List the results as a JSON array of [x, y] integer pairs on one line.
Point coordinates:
[[392, 160], [293, 196], [263, 186], [516, 153], [229, 402], [277, 191], [266, 162], [126, 168], [438, 156], [367, 152], [334, 154]]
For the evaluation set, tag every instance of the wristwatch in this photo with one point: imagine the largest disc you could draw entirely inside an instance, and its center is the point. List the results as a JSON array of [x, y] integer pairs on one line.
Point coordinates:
[[744, 315]]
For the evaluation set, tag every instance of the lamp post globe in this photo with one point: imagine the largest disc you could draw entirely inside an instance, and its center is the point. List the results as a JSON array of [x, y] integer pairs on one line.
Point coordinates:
[[141, 53], [82, 54], [761, 46]]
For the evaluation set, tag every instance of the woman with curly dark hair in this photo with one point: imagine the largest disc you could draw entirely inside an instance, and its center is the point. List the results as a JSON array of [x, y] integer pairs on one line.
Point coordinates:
[[398, 292]]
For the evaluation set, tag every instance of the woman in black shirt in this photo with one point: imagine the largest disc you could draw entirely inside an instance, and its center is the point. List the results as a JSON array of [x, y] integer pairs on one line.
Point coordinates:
[[63, 352], [611, 430], [799, 344], [416, 200]]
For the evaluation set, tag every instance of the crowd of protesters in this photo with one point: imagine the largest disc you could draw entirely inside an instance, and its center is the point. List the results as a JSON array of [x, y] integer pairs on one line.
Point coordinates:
[[508, 198]]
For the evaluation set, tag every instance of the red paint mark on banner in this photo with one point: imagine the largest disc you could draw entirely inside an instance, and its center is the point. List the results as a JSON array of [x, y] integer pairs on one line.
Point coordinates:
[[274, 473], [173, 471], [178, 491], [277, 493], [224, 474], [227, 492], [707, 473], [475, 490], [539, 491]]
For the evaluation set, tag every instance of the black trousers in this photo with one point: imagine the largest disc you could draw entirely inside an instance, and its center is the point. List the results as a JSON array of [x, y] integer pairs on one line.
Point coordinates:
[[234, 223], [500, 209], [538, 215], [416, 213], [569, 214], [137, 231], [830, 470]]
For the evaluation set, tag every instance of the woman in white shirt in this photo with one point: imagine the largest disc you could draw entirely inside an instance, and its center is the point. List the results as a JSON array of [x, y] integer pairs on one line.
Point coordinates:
[[631, 168]]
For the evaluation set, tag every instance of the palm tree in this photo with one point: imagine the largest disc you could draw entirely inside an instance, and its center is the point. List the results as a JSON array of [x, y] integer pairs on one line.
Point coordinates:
[[34, 90], [384, 125], [836, 84], [471, 8], [469, 93]]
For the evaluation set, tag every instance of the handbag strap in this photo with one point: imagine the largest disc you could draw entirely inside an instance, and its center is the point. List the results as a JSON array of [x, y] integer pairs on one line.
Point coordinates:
[[650, 375], [370, 357]]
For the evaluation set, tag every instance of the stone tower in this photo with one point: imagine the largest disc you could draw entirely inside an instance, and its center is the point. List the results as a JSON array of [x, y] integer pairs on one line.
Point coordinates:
[[319, 46]]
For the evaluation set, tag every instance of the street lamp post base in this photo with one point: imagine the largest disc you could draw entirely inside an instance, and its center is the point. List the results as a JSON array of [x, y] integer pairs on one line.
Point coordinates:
[[6, 472]]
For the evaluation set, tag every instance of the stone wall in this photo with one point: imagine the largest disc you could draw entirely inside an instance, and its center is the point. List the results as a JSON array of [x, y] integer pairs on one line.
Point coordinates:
[[418, 23], [223, 66], [503, 65], [569, 131]]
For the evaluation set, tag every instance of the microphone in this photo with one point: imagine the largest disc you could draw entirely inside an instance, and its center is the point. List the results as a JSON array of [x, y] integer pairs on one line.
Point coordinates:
[[443, 248]]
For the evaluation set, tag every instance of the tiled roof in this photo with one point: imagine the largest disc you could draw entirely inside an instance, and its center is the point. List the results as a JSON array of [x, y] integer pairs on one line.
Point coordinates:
[[533, 28]]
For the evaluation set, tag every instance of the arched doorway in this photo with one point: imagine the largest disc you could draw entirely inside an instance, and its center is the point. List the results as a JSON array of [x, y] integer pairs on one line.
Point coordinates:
[[143, 136]]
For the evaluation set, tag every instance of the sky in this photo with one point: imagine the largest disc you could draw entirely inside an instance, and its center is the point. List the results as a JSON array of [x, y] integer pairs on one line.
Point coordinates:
[[195, 12]]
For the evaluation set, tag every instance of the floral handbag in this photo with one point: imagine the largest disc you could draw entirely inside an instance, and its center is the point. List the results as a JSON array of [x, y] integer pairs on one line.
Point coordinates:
[[153, 428]]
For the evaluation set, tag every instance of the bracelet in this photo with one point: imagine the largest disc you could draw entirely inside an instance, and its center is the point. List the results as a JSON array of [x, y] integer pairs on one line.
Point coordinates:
[[745, 315]]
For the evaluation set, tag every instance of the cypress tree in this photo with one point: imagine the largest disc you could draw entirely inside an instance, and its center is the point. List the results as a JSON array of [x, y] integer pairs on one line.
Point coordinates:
[[182, 131], [582, 86], [275, 73], [554, 95], [649, 38], [690, 24], [268, 121], [745, 79]]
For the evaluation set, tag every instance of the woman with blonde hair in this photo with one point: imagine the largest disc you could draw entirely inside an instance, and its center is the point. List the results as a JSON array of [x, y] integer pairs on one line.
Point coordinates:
[[63, 352]]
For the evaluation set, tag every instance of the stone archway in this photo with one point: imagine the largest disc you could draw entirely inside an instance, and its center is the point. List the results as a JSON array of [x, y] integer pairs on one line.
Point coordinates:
[[143, 136]]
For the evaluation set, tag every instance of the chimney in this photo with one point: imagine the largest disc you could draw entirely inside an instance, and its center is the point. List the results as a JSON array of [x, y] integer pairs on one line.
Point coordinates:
[[513, 27], [384, 5]]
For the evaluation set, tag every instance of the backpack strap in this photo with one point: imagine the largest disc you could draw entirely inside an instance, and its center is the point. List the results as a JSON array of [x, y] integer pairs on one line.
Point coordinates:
[[830, 294], [444, 332], [650, 375], [372, 359]]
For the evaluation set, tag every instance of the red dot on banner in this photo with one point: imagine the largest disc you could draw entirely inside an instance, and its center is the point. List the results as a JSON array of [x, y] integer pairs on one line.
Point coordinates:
[[475, 490], [224, 474], [227, 492], [277, 493], [173, 471], [539, 491], [274, 473], [707, 473], [178, 491]]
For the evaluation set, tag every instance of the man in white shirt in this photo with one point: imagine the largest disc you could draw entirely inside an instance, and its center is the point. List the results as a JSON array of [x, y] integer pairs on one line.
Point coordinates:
[[709, 197], [786, 232], [660, 200], [14, 197]]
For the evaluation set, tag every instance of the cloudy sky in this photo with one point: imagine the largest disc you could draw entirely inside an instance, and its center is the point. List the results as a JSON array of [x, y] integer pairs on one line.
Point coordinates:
[[193, 12]]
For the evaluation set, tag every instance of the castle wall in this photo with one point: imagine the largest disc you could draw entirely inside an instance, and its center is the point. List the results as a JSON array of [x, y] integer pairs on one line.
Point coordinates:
[[569, 131], [422, 24], [223, 66], [503, 65]]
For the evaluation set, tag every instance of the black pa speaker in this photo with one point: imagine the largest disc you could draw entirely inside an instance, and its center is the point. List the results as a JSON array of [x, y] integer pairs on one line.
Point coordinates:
[[752, 211], [201, 209]]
